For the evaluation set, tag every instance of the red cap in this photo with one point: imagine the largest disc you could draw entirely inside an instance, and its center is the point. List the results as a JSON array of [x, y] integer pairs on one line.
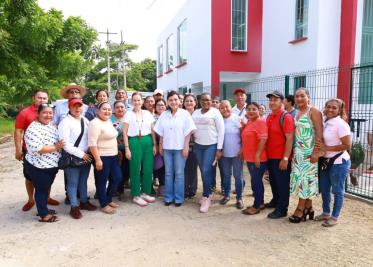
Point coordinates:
[[74, 101], [239, 90]]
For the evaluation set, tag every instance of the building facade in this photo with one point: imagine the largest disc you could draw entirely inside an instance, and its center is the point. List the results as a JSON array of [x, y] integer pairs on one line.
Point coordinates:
[[218, 45]]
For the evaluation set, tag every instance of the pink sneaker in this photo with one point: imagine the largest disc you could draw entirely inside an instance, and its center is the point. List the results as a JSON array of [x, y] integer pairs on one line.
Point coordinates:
[[147, 198], [139, 201], [205, 204]]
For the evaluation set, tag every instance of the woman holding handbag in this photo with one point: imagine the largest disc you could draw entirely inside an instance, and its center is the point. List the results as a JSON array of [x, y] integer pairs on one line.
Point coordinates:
[[74, 130]]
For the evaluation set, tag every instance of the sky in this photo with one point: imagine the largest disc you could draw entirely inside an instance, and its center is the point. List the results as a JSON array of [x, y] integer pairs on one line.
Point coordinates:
[[140, 20]]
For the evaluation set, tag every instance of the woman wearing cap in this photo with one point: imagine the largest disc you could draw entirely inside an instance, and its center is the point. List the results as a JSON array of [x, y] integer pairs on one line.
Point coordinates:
[[118, 119], [70, 129], [304, 174], [102, 142], [208, 138], [191, 164], [102, 96], [174, 127], [140, 146], [41, 160]]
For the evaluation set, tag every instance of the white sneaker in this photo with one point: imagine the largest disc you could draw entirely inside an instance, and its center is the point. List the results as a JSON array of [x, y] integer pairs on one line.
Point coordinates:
[[205, 204], [139, 201], [147, 198]]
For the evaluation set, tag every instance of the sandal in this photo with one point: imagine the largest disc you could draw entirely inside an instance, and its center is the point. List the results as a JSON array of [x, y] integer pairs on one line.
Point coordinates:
[[296, 219], [250, 211], [50, 212], [108, 210], [52, 218], [321, 217], [113, 205], [330, 222]]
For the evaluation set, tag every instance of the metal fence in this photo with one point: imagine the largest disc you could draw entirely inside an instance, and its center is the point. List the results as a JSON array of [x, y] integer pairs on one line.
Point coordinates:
[[354, 85]]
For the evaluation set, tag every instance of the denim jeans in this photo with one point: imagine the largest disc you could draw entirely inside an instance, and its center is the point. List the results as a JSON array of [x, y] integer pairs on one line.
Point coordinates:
[[333, 181], [227, 166], [205, 156], [174, 177], [280, 184], [257, 186], [42, 180], [77, 180], [110, 171]]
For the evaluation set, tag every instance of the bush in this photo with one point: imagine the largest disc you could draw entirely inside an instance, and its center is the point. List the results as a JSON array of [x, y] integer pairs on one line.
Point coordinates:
[[357, 155]]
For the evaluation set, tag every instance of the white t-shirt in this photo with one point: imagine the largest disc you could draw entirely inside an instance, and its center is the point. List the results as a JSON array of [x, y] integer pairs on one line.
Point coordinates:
[[173, 129], [334, 130], [241, 113], [143, 124], [210, 127]]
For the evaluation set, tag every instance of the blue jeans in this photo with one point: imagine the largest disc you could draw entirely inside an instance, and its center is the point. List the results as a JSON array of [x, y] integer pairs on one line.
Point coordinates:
[[42, 180], [257, 186], [333, 180], [174, 176], [110, 171], [77, 180], [227, 165], [280, 185], [205, 155]]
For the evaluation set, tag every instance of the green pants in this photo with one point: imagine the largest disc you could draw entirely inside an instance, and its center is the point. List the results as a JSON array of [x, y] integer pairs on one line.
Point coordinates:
[[141, 163]]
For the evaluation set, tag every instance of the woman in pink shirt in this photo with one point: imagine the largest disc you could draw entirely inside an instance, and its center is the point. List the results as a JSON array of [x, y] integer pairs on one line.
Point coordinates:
[[254, 138]]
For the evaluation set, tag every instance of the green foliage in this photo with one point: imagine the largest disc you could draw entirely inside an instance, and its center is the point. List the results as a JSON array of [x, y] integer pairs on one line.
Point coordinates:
[[357, 155], [40, 49], [6, 126]]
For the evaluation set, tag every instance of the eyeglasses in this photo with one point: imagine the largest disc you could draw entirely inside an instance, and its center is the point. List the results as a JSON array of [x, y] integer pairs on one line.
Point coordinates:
[[73, 92], [45, 105]]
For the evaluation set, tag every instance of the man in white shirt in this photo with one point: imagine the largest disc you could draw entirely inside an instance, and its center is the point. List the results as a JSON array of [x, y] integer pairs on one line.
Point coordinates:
[[240, 107]]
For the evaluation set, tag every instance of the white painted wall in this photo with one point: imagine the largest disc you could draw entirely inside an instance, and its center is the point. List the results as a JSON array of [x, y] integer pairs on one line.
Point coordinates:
[[359, 30], [198, 68]]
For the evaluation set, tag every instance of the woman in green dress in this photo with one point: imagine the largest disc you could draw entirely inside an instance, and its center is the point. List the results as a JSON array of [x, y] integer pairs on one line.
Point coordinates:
[[304, 174]]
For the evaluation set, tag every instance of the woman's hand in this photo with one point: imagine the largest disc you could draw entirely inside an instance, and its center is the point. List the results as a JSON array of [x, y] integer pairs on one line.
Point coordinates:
[[218, 154], [320, 145], [314, 157], [99, 165], [154, 150], [59, 145], [87, 157], [128, 153], [257, 160], [160, 150], [186, 152]]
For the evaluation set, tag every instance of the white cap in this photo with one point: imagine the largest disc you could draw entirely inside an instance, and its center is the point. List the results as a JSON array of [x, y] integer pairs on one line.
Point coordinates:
[[158, 91]]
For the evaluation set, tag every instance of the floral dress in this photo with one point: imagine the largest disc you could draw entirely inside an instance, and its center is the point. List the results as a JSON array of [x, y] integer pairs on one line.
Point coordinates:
[[304, 175]]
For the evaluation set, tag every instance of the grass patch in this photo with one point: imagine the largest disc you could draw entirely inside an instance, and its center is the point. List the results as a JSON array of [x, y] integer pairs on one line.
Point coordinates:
[[6, 126]]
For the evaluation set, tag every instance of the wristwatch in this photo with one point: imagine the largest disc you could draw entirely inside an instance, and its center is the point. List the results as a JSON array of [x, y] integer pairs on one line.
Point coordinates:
[[285, 158]]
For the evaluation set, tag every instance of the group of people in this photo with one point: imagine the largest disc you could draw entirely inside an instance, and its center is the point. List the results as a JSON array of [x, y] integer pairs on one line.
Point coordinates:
[[162, 140]]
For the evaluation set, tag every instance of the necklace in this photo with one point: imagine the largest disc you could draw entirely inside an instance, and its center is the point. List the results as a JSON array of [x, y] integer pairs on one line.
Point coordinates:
[[139, 125]]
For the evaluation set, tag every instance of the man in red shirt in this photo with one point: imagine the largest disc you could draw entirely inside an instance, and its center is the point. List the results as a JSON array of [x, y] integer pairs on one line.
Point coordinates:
[[279, 146], [23, 120]]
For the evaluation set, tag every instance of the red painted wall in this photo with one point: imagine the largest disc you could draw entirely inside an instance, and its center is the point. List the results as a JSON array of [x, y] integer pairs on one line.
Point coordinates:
[[222, 58], [347, 48]]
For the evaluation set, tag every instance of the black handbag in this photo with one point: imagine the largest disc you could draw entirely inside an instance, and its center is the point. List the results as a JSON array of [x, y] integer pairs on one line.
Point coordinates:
[[326, 163], [70, 161]]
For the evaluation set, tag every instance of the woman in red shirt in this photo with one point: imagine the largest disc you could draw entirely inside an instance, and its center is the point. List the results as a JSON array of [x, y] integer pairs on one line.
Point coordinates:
[[254, 137]]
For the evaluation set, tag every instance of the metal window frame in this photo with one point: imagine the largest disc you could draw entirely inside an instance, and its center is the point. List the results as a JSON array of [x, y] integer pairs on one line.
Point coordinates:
[[246, 24]]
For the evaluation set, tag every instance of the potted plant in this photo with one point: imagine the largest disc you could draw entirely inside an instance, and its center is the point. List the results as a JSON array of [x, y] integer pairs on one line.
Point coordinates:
[[357, 156]]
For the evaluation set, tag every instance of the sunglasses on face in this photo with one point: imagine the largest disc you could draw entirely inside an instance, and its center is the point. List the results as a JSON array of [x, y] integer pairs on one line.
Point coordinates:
[[74, 92]]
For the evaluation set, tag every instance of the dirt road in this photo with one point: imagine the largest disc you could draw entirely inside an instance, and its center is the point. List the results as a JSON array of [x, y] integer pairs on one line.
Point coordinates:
[[169, 236]]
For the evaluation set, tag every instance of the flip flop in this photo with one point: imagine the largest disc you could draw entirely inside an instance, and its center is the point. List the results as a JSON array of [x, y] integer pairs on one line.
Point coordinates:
[[50, 212], [52, 219]]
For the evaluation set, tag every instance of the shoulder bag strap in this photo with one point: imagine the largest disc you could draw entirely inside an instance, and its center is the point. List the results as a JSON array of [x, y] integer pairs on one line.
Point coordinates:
[[77, 142]]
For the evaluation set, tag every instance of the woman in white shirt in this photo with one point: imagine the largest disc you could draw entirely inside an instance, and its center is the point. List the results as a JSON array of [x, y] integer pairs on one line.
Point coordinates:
[[337, 140], [69, 130], [208, 138], [140, 148], [174, 127], [41, 160]]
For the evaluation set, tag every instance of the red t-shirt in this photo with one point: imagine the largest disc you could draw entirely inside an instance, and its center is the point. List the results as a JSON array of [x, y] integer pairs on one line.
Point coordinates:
[[24, 119], [276, 136], [251, 136]]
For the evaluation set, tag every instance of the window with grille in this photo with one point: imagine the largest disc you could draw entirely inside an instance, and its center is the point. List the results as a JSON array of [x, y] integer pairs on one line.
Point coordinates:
[[301, 18], [239, 25], [181, 42]]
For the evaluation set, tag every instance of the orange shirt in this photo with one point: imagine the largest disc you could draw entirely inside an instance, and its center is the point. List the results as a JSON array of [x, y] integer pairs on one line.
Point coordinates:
[[276, 136], [251, 136]]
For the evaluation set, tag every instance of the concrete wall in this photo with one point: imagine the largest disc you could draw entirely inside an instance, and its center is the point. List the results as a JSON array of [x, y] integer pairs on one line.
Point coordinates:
[[198, 67]]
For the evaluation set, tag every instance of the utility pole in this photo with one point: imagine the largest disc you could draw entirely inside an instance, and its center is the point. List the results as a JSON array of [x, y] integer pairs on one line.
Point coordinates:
[[108, 56], [123, 61]]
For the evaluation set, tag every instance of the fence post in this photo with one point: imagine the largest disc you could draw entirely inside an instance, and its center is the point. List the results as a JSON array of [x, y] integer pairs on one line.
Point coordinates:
[[287, 84]]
